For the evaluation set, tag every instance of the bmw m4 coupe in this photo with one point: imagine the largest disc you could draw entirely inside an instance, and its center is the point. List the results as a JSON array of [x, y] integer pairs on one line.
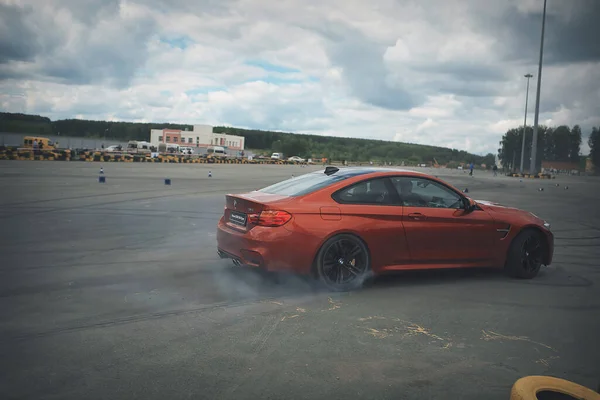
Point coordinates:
[[343, 225]]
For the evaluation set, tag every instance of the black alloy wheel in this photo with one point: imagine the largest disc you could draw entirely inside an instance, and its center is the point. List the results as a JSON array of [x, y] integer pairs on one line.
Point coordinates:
[[531, 254], [526, 255], [343, 262]]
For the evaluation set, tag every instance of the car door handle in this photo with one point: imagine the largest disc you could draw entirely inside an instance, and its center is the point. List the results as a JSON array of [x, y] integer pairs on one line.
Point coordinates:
[[416, 216]]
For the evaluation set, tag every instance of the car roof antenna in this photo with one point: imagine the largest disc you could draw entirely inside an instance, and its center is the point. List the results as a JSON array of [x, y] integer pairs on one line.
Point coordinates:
[[331, 170]]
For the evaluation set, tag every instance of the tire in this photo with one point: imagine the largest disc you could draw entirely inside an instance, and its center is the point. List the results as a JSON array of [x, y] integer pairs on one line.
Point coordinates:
[[343, 263], [525, 255]]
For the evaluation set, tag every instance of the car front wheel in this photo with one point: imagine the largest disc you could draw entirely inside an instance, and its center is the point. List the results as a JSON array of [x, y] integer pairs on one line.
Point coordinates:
[[343, 263], [525, 256]]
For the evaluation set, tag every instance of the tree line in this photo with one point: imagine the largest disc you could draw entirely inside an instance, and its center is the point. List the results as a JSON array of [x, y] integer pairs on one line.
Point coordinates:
[[306, 146], [561, 143], [594, 143], [123, 131], [353, 149]]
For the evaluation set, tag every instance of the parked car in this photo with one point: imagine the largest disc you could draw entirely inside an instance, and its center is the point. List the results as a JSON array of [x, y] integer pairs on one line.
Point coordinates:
[[276, 156], [344, 225], [296, 159]]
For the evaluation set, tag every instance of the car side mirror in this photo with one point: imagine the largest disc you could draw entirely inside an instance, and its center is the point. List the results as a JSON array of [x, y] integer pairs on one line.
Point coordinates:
[[470, 204]]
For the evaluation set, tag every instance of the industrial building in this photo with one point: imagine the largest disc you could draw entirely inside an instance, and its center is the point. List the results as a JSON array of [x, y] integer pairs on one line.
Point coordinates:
[[201, 136]]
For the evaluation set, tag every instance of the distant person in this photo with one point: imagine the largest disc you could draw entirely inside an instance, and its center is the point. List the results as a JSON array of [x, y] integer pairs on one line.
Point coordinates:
[[471, 169], [495, 169], [35, 146]]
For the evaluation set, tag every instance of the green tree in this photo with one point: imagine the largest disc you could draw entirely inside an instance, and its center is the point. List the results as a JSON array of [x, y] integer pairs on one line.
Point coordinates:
[[574, 143], [509, 152], [315, 146], [562, 141], [414, 159], [594, 143], [489, 160]]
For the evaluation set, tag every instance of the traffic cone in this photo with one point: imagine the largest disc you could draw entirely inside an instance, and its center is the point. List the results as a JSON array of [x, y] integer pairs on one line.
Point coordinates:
[[541, 189], [102, 179], [209, 174], [466, 190], [566, 187], [101, 170], [167, 181]]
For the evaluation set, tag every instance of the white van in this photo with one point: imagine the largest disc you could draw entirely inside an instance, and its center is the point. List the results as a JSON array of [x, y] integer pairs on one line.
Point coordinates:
[[216, 151], [138, 146], [168, 148], [276, 156]]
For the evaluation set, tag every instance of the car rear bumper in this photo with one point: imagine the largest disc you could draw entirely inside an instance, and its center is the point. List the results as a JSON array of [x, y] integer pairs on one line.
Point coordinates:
[[269, 248]]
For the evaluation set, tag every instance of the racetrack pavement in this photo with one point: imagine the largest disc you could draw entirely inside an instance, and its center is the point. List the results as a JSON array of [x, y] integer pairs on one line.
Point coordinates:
[[115, 290]]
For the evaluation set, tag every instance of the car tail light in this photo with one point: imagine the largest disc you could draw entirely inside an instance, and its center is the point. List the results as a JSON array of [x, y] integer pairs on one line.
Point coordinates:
[[270, 218]]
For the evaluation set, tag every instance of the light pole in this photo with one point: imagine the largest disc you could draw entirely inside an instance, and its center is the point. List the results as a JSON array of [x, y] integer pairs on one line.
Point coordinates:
[[525, 123], [533, 168]]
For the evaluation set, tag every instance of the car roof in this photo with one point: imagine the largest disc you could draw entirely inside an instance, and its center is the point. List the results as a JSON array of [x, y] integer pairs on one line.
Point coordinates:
[[375, 170]]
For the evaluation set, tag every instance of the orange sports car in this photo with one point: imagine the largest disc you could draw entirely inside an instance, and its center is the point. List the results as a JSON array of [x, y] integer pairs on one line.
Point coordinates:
[[344, 224]]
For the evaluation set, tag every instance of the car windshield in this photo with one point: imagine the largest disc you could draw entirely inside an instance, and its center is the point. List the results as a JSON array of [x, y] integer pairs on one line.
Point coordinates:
[[305, 184]]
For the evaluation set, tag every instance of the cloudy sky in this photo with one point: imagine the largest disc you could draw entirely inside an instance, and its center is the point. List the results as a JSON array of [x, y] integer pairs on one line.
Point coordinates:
[[441, 72]]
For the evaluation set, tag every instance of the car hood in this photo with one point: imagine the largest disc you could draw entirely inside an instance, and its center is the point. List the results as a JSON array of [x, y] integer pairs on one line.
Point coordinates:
[[497, 207], [509, 212]]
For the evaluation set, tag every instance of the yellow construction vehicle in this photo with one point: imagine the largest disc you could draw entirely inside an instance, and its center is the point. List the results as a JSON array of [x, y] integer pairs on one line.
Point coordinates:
[[43, 143]]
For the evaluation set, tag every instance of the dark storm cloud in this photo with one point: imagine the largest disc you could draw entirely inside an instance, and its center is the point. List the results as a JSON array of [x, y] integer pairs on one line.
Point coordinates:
[[103, 60], [90, 11], [363, 67], [571, 36], [462, 79], [12, 26], [566, 39], [465, 71], [197, 7], [21, 37], [111, 56]]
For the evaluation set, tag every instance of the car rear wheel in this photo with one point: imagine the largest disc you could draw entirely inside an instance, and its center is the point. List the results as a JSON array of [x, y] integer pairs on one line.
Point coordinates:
[[343, 263], [525, 256]]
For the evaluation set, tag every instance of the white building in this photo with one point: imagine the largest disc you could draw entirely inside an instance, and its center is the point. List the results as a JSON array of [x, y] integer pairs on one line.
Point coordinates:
[[201, 136]]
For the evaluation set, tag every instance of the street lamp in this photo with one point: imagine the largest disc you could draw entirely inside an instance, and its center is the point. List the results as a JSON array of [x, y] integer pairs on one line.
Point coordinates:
[[533, 168], [525, 123]]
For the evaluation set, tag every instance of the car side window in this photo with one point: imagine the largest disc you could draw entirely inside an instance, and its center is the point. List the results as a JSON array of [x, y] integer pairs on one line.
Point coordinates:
[[372, 191], [419, 192]]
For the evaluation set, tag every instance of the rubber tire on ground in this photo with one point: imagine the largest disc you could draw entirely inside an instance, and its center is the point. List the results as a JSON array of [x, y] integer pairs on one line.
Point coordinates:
[[528, 387], [354, 284], [513, 260]]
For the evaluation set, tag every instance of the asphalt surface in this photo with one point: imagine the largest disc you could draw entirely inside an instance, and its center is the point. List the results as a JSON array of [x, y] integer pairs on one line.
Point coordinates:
[[115, 291]]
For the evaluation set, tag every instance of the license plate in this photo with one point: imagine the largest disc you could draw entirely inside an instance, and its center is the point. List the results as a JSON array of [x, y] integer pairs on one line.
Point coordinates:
[[238, 218]]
